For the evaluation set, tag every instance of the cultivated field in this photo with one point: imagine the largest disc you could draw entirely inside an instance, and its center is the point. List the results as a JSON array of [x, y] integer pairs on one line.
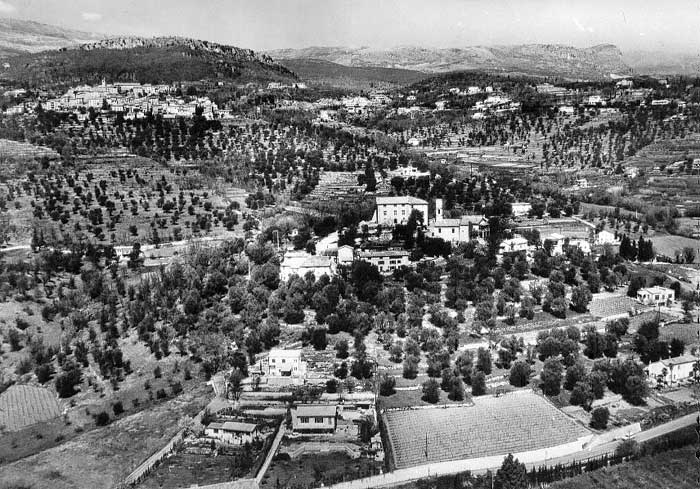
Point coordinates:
[[687, 332], [605, 305], [671, 245], [512, 423], [103, 457], [25, 405]]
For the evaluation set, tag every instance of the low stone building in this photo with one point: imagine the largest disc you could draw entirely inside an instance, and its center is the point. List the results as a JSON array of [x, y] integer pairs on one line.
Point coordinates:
[[314, 418], [233, 432]]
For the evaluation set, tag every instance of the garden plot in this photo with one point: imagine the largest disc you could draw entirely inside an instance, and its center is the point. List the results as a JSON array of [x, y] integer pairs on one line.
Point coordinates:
[[606, 305], [25, 405], [512, 423]]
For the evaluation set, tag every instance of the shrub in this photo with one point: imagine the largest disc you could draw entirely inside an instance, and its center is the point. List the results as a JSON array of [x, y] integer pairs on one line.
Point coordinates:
[[44, 372], [160, 394], [386, 385], [599, 418], [176, 388], [118, 408], [22, 324], [431, 391], [332, 386], [519, 374], [102, 419], [157, 372], [479, 384]]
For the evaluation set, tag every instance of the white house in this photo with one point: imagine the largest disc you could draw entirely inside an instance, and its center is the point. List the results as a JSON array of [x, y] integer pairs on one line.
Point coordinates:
[[385, 260], [520, 208], [656, 296], [515, 244], [672, 369], [314, 418], [560, 241], [233, 432], [346, 255], [301, 263], [606, 237], [397, 210], [285, 363]]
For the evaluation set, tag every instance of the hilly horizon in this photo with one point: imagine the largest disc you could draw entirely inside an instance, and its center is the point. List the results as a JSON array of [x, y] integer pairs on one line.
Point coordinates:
[[141, 59], [532, 59], [25, 36]]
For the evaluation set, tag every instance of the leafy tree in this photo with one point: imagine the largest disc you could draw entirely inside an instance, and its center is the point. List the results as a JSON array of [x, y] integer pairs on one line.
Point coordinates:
[[479, 384], [599, 418], [580, 298], [581, 395], [575, 373], [551, 377], [431, 391], [341, 349], [456, 389], [483, 362], [636, 390], [410, 367], [387, 385], [677, 347], [511, 475], [520, 374], [331, 386]]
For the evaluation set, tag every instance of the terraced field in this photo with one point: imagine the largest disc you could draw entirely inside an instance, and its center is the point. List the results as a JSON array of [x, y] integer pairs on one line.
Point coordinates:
[[512, 423], [604, 305], [25, 405]]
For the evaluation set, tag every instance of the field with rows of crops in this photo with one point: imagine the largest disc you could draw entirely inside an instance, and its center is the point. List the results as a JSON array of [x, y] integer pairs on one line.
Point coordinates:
[[512, 423]]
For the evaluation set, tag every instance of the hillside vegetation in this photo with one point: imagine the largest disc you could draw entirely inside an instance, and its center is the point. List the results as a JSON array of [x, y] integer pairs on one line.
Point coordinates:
[[156, 60]]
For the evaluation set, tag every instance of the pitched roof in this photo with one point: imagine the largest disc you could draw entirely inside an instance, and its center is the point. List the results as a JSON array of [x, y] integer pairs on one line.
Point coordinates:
[[446, 223], [234, 426], [381, 253], [471, 219], [683, 359], [400, 200], [322, 410]]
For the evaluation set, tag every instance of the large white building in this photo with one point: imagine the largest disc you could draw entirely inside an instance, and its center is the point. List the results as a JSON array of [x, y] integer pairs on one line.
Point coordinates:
[[301, 263], [285, 363], [397, 210], [672, 370], [385, 260], [656, 296], [233, 432]]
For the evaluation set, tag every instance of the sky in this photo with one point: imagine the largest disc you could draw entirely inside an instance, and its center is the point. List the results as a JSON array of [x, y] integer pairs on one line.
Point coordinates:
[[670, 25]]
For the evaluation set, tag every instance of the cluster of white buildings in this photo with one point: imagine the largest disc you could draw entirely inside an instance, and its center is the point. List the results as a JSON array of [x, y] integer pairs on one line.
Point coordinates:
[[132, 100]]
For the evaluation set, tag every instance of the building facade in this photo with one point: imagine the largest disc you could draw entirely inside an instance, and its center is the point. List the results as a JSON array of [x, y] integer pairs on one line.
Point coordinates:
[[397, 210], [285, 363], [656, 296], [385, 260], [314, 418], [232, 432]]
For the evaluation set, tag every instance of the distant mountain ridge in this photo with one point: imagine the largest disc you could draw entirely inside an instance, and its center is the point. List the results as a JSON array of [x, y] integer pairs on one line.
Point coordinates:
[[533, 59], [25, 36], [140, 59]]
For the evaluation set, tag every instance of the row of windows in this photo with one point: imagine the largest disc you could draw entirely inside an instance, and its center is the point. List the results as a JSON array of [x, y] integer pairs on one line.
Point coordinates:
[[306, 419]]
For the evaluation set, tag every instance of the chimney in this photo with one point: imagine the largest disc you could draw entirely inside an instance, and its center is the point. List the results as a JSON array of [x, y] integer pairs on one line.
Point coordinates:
[[438, 209]]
